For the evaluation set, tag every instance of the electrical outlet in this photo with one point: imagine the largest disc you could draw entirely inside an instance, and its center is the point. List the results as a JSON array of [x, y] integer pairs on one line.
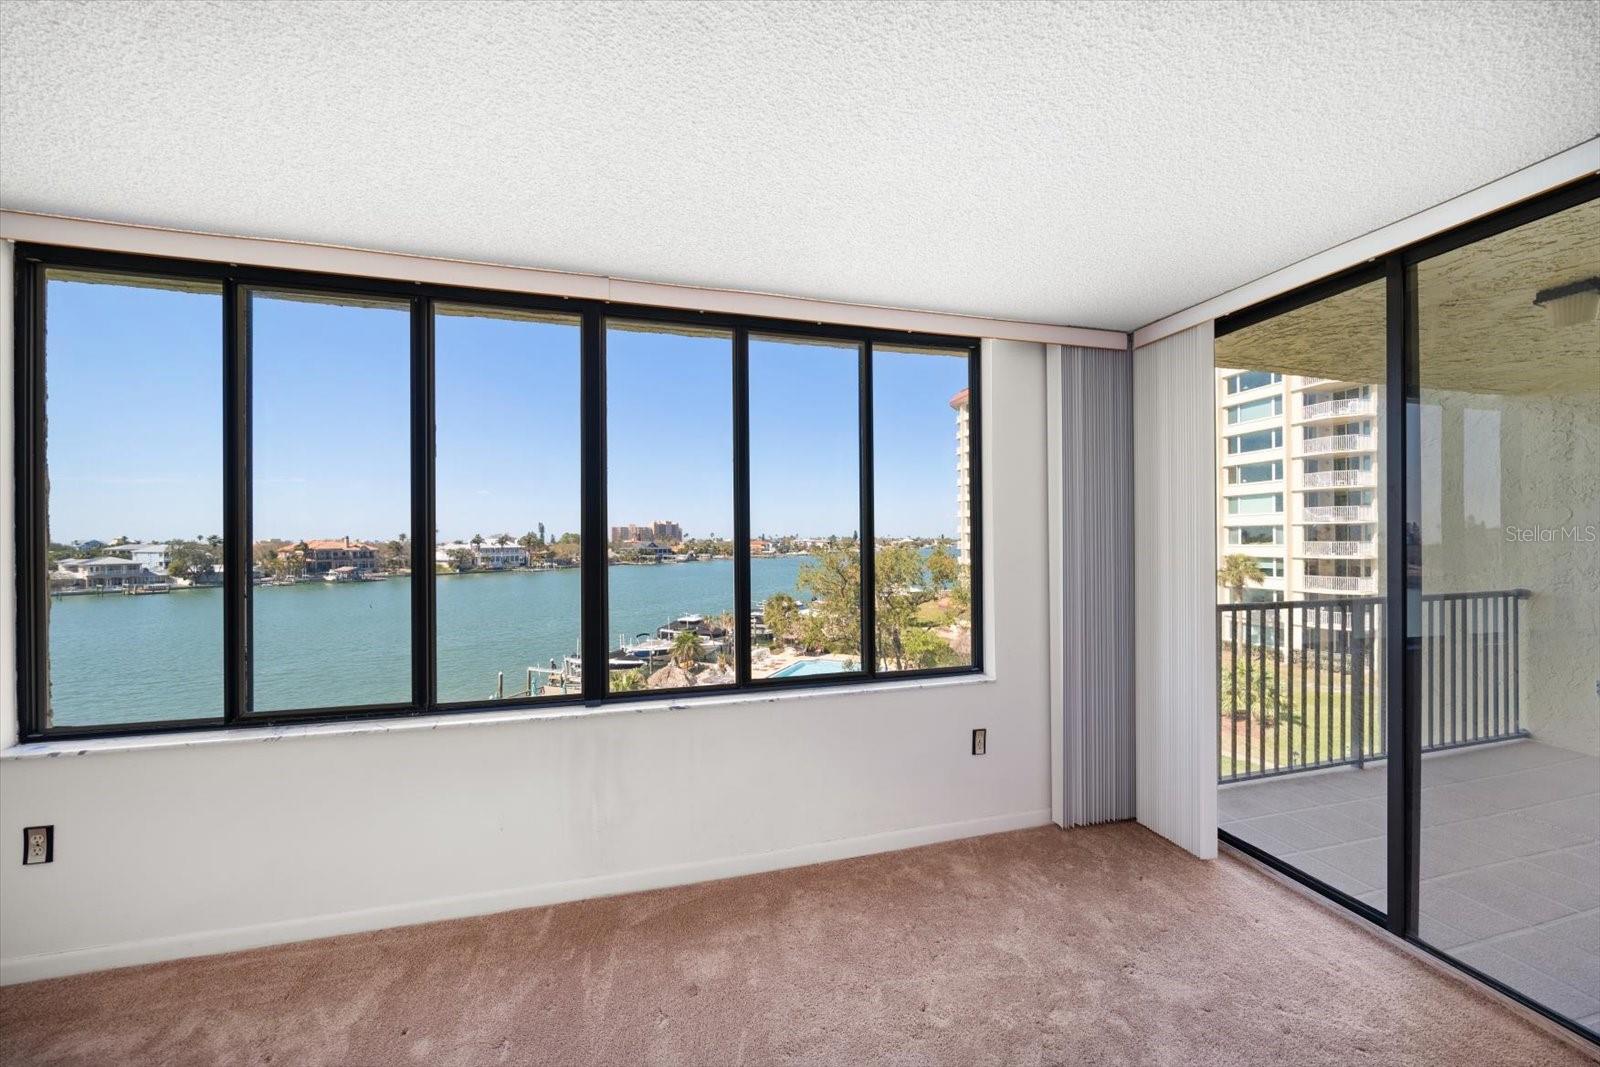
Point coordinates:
[[980, 741], [38, 845]]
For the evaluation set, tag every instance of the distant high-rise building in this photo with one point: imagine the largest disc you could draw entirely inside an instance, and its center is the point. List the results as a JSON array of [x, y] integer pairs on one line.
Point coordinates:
[[661, 532], [1299, 483], [963, 477]]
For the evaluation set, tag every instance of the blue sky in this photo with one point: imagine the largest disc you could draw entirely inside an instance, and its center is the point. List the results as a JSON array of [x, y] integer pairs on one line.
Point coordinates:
[[135, 435]]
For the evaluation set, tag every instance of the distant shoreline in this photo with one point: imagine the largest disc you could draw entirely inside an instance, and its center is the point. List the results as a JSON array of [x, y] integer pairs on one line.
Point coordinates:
[[399, 575]]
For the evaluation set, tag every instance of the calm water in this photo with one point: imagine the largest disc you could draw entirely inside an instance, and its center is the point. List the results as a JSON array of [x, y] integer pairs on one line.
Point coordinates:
[[127, 659]]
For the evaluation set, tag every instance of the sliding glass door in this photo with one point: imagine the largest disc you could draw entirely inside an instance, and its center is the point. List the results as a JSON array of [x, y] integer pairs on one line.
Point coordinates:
[[1408, 580], [1507, 549], [1301, 441]]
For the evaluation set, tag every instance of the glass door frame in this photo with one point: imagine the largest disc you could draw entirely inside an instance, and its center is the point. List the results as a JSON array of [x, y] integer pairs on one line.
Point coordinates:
[[1402, 584]]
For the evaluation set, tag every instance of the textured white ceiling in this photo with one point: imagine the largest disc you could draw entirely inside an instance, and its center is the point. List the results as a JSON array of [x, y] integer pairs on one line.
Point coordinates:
[[1094, 164]]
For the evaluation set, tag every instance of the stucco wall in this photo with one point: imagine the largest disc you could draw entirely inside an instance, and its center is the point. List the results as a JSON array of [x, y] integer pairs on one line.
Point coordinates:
[[1518, 506]]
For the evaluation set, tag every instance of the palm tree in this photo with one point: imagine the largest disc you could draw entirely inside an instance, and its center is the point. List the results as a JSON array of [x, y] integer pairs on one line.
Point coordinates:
[[1237, 571], [627, 681], [686, 648]]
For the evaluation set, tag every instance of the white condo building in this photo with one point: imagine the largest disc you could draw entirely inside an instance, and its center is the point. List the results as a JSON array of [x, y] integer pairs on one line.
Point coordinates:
[[963, 478], [1299, 483]]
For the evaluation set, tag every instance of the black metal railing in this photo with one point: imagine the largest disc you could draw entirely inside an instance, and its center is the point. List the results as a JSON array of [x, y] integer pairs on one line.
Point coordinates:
[[1300, 682]]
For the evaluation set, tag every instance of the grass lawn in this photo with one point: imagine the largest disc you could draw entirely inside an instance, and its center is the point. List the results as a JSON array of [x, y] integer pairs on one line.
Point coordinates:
[[1311, 727]]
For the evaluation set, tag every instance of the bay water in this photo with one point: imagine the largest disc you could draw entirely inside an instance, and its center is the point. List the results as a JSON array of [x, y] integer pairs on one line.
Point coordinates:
[[118, 659]]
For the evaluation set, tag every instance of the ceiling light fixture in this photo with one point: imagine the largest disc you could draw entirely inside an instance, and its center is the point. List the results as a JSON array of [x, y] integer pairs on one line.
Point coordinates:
[[1572, 303]]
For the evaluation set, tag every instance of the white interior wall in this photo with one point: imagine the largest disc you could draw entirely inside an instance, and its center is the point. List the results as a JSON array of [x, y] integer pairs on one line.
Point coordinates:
[[177, 846], [1174, 568]]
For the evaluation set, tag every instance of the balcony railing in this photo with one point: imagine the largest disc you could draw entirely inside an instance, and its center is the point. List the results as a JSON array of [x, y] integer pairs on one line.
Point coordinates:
[[1300, 682], [1327, 409], [1339, 583], [1338, 549], [1336, 479], [1340, 513], [1339, 442]]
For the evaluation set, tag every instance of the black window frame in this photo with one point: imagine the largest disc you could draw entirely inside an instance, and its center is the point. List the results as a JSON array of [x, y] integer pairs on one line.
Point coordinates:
[[1402, 590], [31, 262]]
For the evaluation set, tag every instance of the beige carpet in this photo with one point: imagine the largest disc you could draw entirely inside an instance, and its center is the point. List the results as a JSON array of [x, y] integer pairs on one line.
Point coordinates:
[[1093, 946]]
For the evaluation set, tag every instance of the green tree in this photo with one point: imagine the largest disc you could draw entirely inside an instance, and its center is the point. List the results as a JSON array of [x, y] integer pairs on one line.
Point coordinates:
[[627, 681], [462, 560], [1237, 571], [942, 567], [1258, 697], [686, 648], [190, 559], [781, 613], [925, 648], [901, 590], [395, 555], [833, 578]]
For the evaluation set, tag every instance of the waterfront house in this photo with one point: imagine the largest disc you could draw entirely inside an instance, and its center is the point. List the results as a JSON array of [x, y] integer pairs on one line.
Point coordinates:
[[101, 572], [152, 556], [496, 557], [323, 556], [486, 556]]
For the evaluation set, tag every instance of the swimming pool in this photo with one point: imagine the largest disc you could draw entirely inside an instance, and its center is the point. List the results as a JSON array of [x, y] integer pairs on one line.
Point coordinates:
[[803, 667]]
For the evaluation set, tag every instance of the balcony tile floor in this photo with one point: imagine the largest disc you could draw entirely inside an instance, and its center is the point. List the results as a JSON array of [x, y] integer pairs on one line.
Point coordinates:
[[1510, 857]]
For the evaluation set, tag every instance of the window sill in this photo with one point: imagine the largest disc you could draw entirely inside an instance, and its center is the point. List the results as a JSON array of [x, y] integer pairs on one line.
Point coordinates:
[[461, 719]]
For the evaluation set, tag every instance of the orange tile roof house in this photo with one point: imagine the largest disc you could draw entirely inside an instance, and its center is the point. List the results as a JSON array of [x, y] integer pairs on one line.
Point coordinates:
[[322, 556]]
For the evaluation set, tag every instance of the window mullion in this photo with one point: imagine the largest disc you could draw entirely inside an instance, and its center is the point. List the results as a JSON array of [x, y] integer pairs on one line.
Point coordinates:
[[238, 565], [424, 628], [741, 504], [592, 534], [866, 542], [33, 535], [975, 509]]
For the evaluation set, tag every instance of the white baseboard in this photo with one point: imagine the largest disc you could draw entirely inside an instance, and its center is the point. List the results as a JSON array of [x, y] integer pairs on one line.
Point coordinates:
[[208, 942]]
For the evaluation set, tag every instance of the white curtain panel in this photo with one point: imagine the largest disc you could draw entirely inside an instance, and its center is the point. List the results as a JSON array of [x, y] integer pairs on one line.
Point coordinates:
[[1175, 588], [1092, 546]]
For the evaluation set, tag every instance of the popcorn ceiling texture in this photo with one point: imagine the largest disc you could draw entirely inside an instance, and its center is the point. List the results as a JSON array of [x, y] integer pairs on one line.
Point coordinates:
[[1100, 165]]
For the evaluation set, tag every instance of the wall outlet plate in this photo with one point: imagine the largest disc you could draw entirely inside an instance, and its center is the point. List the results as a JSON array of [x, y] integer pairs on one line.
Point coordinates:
[[980, 741], [38, 845]]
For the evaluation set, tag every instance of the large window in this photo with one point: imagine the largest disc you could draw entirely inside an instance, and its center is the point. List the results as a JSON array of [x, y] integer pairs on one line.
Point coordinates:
[[250, 496], [134, 510], [922, 520], [509, 475], [669, 483], [330, 501], [805, 506]]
